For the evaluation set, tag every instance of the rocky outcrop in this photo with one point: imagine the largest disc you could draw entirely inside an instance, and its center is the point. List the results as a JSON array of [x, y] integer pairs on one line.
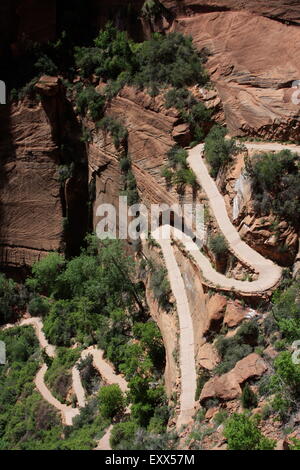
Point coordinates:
[[283, 10], [228, 386], [151, 132], [248, 66], [273, 238], [216, 309], [30, 204], [208, 357], [39, 136], [234, 314]]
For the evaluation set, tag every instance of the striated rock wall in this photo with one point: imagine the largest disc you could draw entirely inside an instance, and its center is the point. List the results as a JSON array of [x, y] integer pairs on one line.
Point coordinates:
[[151, 133], [283, 10], [34, 203], [253, 62], [30, 205]]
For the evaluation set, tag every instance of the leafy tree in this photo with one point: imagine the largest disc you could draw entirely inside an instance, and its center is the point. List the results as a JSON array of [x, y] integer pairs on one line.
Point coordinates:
[[10, 299], [89, 100], [275, 181], [150, 337], [111, 401], [242, 433], [218, 150], [122, 434], [45, 274], [111, 55], [170, 59], [38, 306]]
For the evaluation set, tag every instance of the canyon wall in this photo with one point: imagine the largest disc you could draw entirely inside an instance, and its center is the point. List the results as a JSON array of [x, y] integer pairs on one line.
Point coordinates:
[[277, 9], [252, 63]]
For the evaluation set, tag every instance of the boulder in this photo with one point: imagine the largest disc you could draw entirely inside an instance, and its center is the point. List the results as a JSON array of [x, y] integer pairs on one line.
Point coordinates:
[[252, 77], [215, 308], [208, 356], [227, 386], [224, 387], [234, 314], [252, 366]]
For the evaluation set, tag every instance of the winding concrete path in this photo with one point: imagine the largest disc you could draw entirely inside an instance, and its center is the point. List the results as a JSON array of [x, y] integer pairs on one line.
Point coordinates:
[[269, 274], [104, 368], [186, 330]]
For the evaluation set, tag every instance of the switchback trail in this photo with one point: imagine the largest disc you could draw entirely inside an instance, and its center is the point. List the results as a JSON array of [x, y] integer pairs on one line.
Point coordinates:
[[104, 368], [269, 274]]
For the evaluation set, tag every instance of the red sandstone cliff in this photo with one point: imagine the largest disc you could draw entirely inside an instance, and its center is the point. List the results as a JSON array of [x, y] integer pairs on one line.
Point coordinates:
[[253, 60]]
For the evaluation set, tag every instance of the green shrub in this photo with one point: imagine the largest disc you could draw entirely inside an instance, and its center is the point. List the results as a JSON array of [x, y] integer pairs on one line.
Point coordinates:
[[122, 434], [38, 306], [185, 176], [242, 433], [218, 245], [202, 378], [111, 401], [177, 171], [248, 398], [115, 128], [46, 66], [167, 174], [275, 180], [65, 172], [89, 100], [235, 348], [286, 312], [285, 384], [218, 150], [86, 135], [160, 286], [58, 375], [220, 417], [170, 59], [179, 98]]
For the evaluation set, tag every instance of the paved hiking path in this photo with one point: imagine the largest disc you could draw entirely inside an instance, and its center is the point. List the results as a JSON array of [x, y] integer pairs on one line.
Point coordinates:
[[269, 274], [104, 368]]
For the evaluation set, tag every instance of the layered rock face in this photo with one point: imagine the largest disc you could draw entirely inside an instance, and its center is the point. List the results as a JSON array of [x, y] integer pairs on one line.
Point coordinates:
[[253, 63], [151, 132], [288, 10], [30, 205], [35, 203]]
